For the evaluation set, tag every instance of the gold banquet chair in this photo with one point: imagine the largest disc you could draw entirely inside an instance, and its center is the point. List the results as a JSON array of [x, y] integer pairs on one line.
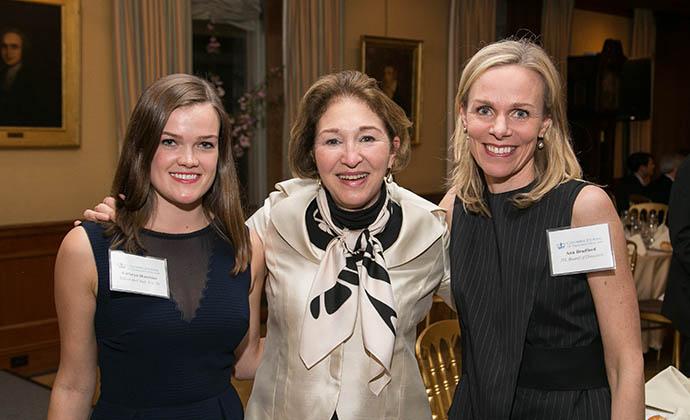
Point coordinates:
[[638, 198], [439, 310], [650, 310], [438, 355], [643, 211]]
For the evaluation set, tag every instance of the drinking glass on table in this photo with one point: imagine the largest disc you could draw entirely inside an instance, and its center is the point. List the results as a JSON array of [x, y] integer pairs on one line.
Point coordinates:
[[627, 222], [648, 229], [653, 220], [653, 224], [635, 223], [647, 235]]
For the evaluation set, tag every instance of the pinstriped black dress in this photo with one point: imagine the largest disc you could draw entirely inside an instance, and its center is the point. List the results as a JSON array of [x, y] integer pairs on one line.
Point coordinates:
[[507, 300]]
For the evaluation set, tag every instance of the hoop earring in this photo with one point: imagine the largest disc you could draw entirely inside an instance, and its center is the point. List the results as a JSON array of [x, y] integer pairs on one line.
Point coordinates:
[[540, 143]]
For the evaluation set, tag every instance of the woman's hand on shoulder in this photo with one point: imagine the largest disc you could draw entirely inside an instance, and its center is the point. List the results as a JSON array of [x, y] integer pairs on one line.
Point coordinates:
[[447, 204], [101, 212]]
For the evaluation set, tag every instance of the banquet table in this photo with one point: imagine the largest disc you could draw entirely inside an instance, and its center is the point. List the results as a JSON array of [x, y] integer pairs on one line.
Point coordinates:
[[650, 279]]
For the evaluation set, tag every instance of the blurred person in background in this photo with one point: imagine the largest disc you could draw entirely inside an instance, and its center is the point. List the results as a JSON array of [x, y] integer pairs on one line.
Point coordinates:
[[660, 188], [635, 184], [676, 305]]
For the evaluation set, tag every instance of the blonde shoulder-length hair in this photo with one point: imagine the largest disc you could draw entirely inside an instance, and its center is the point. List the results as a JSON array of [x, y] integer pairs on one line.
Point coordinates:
[[554, 164]]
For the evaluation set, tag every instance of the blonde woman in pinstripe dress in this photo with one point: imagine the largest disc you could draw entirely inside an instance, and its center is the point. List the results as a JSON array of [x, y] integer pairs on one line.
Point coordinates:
[[535, 346]]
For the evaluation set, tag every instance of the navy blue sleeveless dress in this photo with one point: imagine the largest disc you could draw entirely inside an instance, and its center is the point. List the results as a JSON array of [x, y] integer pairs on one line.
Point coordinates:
[[531, 346], [171, 358]]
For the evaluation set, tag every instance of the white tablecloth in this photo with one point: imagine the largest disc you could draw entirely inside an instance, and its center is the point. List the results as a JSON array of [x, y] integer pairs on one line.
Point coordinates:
[[668, 394]]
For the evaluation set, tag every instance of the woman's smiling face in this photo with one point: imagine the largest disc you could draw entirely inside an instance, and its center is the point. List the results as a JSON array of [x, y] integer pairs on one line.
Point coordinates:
[[184, 165], [504, 116], [352, 153]]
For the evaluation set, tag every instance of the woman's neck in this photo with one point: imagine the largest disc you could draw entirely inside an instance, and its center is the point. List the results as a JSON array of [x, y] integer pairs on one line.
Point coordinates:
[[170, 218], [513, 182], [356, 219]]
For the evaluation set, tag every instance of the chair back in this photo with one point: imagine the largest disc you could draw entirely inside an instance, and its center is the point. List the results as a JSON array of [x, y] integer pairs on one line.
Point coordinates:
[[638, 198], [650, 311], [438, 355], [643, 211], [632, 255]]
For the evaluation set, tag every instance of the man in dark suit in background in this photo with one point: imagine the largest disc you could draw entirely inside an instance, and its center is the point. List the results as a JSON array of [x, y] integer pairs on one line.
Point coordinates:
[[676, 305], [660, 188], [640, 170]]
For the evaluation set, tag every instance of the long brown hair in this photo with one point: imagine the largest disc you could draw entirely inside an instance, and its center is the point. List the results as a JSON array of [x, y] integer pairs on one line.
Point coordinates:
[[555, 164], [221, 203]]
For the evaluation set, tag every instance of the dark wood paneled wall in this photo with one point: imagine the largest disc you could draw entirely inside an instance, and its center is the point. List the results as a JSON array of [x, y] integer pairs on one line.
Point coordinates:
[[671, 126], [523, 18], [29, 339], [273, 22]]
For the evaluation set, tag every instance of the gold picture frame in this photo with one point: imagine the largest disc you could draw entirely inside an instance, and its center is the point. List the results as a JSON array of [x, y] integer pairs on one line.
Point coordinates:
[[397, 65], [40, 104]]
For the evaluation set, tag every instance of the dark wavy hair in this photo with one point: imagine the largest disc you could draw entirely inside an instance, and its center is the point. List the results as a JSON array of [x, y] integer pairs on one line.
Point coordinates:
[[637, 159], [221, 203]]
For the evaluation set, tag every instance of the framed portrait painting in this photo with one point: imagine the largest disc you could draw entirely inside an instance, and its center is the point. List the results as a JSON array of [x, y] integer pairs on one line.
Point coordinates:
[[397, 66], [39, 73]]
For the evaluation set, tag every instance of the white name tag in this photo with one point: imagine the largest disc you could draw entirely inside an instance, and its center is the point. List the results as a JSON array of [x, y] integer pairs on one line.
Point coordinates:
[[580, 250], [135, 274]]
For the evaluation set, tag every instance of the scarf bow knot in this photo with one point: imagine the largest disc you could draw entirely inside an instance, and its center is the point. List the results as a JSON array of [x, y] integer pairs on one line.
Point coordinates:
[[352, 278]]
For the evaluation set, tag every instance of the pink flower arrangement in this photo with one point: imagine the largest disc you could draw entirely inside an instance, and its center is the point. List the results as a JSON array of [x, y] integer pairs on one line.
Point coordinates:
[[251, 104], [243, 123]]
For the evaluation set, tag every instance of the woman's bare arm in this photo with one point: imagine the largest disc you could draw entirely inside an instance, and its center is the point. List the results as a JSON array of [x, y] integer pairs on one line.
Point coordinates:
[[75, 300], [615, 300], [250, 350]]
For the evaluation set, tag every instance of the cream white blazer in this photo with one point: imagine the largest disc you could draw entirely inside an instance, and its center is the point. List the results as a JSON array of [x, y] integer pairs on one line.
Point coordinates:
[[284, 389]]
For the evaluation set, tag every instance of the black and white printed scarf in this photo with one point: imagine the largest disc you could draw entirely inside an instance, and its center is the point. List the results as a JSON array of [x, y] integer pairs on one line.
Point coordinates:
[[352, 277]]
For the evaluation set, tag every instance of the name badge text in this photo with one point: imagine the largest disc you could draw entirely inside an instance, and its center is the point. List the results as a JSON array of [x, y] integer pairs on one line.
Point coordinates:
[[580, 250], [136, 274]]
